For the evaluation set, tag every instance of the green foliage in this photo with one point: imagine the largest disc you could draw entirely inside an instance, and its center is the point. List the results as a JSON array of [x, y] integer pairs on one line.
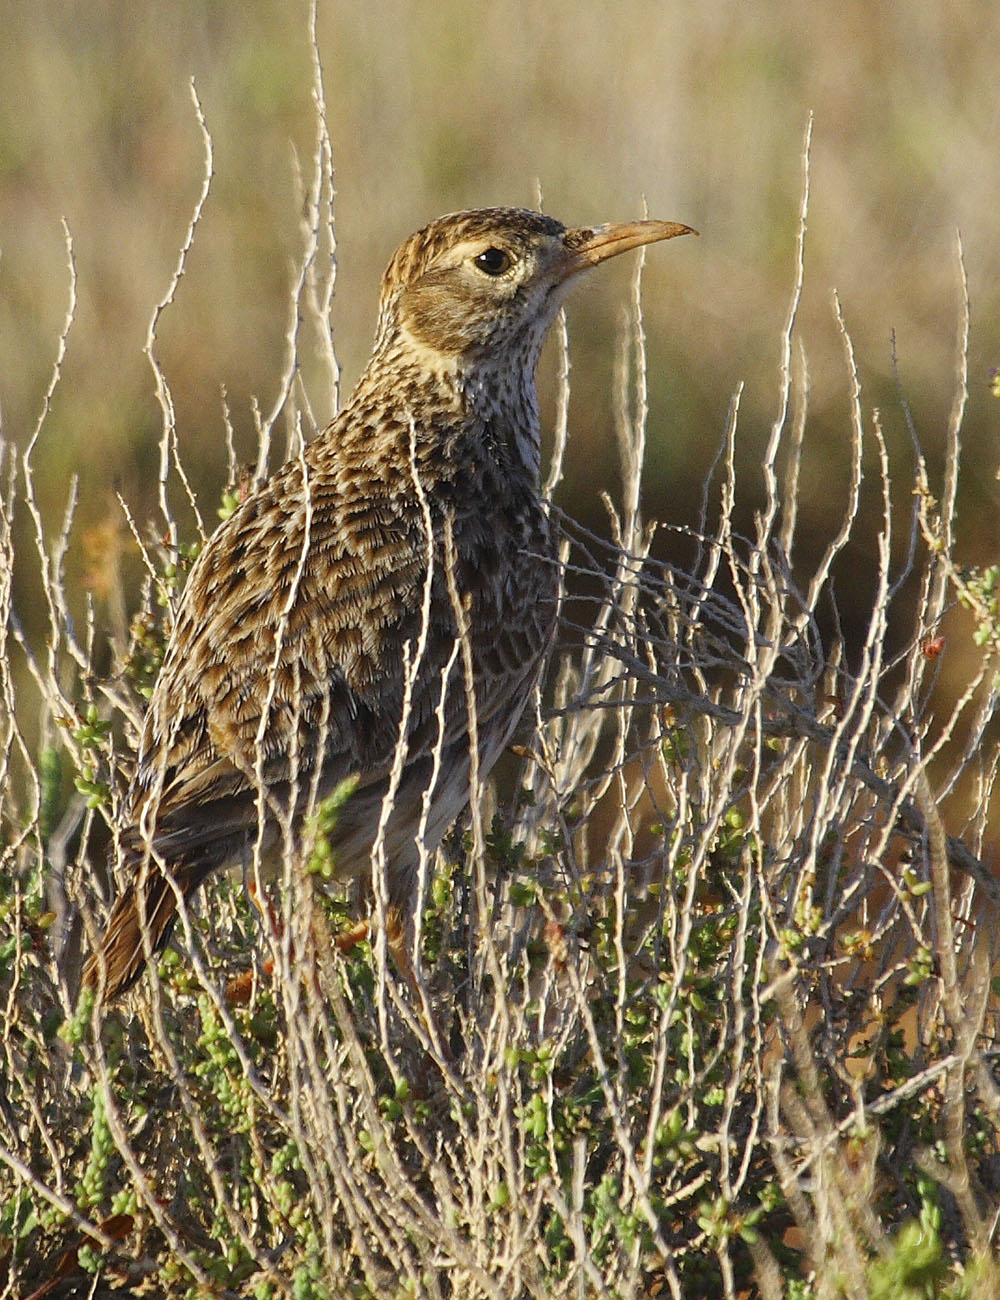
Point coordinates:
[[915, 1267], [89, 736], [173, 573], [322, 859], [145, 655], [92, 1188]]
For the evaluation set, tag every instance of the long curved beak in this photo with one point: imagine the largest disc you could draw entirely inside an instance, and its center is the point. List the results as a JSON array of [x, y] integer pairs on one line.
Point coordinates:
[[587, 247]]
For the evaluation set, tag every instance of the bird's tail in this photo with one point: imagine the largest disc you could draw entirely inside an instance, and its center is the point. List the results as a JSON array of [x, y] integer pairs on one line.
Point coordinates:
[[148, 907]]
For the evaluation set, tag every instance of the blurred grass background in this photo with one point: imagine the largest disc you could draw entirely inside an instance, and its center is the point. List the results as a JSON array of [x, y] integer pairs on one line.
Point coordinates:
[[698, 109]]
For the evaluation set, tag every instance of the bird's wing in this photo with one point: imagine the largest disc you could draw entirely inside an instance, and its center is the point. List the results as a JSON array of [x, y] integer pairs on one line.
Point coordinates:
[[290, 646]]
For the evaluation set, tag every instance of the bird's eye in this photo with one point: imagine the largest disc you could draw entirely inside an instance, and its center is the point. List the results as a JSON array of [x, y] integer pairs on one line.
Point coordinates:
[[494, 261]]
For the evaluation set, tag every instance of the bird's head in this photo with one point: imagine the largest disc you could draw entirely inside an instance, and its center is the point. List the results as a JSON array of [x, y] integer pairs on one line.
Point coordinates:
[[479, 285]]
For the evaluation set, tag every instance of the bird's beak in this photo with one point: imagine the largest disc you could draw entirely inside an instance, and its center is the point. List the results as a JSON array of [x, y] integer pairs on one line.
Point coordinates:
[[585, 248]]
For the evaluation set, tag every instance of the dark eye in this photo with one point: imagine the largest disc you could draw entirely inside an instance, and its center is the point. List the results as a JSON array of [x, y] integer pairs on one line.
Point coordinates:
[[494, 261]]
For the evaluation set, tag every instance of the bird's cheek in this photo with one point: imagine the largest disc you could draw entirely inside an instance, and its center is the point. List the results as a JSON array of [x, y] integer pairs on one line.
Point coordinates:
[[439, 320]]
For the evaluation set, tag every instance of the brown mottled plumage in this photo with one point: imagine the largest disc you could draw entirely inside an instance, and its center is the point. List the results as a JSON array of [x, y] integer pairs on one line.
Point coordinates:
[[285, 672]]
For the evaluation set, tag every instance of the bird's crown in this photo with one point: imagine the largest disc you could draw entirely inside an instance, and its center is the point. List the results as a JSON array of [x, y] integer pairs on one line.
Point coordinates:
[[517, 227]]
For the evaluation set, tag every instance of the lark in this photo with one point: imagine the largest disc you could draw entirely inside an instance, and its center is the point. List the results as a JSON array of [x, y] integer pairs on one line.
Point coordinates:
[[378, 611]]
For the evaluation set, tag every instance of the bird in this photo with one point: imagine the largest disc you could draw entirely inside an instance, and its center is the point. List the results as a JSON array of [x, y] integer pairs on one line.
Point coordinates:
[[377, 612]]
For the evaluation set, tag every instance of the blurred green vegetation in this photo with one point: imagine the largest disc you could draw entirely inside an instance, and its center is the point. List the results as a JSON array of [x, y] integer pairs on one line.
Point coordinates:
[[697, 110]]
